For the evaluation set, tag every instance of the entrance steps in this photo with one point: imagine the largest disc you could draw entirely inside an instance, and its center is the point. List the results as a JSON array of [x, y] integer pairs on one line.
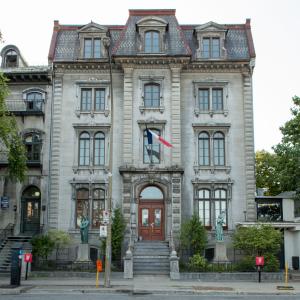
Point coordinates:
[[5, 251], [151, 257]]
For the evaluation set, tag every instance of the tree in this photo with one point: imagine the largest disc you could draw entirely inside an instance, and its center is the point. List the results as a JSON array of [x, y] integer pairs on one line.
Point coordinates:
[[266, 172], [11, 142], [257, 240], [288, 151], [193, 236]]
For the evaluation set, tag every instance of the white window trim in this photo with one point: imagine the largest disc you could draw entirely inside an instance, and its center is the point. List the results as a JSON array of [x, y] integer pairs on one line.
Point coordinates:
[[211, 130], [95, 84], [210, 84], [144, 80]]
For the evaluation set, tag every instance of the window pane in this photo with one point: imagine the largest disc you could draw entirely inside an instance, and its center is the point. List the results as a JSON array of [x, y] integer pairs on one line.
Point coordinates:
[[87, 48], [152, 151], [98, 207], [84, 149], [204, 212], [157, 217], [145, 217], [97, 48], [152, 42], [217, 99], [204, 149], [151, 192], [205, 48], [151, 95], [82, 207], [99, 149], [215, 48], [221, 206], [219, 150], [86, 99], [99, 99], [204, 99]]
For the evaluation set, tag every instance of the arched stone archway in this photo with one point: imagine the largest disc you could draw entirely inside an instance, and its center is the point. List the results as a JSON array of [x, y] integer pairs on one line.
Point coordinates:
[[151, 214]]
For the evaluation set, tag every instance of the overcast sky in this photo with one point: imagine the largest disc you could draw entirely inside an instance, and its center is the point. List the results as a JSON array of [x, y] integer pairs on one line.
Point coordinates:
[[275, 28]]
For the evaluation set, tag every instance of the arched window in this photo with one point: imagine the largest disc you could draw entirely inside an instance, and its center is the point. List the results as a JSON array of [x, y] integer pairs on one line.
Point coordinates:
[[203, 150], [151, 192], [221, 203], [151, 151], [219, 149], [152, 42], [11, 59], [33, 145], [152, 95], [84, 149], [34, 101], [82, 205], [99, 149], [98, 207], [204, 206]]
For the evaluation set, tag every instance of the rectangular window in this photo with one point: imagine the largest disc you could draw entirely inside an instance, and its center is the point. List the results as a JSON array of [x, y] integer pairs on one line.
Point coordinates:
[[217, 99], [87, 48], [99, 99], [211, 47], [86, 99], [204, 212], [204, 99]]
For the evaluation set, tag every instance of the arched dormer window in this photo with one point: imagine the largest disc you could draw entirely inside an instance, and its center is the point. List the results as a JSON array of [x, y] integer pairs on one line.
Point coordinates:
[[11, 59], [152, 42]]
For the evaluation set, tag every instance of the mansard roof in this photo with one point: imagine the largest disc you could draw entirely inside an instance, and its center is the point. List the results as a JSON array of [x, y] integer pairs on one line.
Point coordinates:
[[181, 39]]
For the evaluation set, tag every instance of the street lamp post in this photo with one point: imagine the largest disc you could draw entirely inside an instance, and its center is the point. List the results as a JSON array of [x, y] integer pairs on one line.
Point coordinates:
[[106, 43]]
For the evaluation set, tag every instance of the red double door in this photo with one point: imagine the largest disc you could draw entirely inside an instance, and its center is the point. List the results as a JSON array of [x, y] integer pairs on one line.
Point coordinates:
[[151, 220]]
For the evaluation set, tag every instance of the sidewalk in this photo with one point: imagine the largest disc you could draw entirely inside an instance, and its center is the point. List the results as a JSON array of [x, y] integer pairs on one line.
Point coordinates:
[[143, 285]]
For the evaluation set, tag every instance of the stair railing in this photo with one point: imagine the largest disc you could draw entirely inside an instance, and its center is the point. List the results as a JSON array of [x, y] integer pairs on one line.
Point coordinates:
[[5, 232]]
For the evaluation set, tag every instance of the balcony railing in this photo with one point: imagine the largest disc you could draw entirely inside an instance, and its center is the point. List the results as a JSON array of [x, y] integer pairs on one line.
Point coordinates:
[[30, 162], [20, 107]]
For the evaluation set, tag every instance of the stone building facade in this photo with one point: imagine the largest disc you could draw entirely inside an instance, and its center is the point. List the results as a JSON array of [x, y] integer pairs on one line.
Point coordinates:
[[29, 100], [191, 84]]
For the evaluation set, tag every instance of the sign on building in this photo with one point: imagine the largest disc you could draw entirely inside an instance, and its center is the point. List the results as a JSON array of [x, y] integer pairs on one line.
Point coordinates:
[[4, 202], [103, 231], [105, 219]]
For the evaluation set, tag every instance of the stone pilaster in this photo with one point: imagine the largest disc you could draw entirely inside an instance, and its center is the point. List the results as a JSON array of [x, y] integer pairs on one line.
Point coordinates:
[[249, 148], [175, 115], [176, 203], [55, 154], [128, 116]]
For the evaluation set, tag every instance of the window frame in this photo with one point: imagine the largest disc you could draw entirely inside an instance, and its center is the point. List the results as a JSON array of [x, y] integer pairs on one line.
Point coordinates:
[[92, 47], [36, 147], [152, 48], [216, 89], [157, 146]]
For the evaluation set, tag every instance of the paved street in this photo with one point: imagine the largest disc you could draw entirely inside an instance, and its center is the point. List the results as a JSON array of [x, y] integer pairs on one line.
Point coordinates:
[[142, 297]]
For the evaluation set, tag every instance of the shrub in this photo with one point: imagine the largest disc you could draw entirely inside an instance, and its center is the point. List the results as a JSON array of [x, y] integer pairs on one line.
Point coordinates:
[[42, 246], [197, 263], [271, 263], [247, 264], [60, 239], [193, 236]]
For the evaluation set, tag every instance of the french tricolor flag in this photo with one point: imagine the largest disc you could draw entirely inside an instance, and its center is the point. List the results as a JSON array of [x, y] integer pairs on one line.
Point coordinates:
[[151, 134]]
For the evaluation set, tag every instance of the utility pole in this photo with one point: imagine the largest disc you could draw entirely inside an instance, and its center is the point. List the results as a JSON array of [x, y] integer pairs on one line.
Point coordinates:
[[106, 43]]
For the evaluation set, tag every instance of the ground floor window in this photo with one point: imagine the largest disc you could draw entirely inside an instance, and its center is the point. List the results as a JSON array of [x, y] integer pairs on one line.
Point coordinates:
[[90, 203], [210, 204]]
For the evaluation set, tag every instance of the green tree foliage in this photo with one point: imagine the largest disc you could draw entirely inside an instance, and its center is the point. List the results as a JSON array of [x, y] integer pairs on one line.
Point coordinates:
[[11, 142], [193, 236], [42, 246], [266, 171], [257, 240], [288, 151]]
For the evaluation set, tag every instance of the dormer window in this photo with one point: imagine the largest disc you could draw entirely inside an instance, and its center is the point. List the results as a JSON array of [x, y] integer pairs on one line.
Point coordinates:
[[151, 35], [11, 59], [211, 41], [152, 42], [92, 48], [91, 38], [211, 47]]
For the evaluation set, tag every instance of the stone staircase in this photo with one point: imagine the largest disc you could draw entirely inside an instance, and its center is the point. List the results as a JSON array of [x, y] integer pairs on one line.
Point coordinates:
[[5, 251], [151, 258]]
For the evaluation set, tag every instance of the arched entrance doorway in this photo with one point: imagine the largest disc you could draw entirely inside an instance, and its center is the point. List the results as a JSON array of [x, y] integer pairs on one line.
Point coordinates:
[[151, 214], [31, 210]]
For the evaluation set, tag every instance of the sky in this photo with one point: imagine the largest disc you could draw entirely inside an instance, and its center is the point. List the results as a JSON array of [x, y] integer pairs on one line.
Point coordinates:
[[275, 28]]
